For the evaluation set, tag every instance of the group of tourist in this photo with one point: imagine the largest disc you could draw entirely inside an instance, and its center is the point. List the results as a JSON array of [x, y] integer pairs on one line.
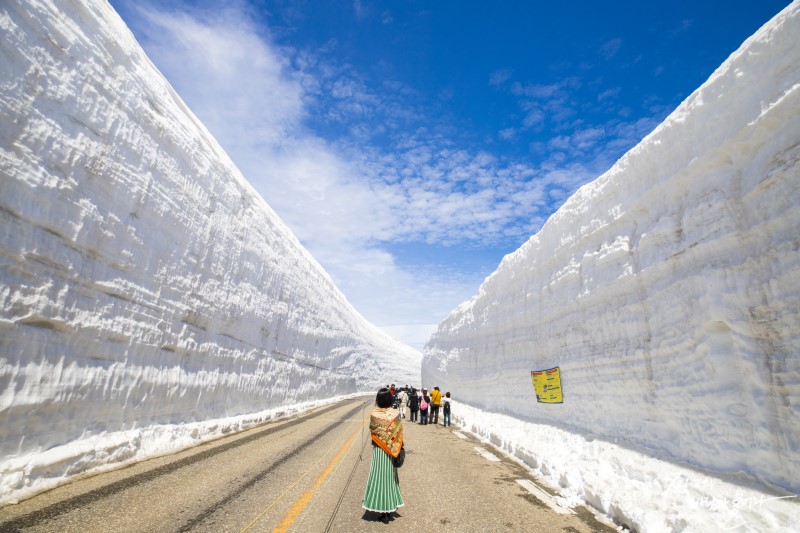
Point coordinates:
[[423, 407], [382, 494]]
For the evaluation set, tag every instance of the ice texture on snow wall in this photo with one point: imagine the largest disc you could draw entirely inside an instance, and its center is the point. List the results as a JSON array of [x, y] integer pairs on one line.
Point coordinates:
[[667, 290], [142, 280]]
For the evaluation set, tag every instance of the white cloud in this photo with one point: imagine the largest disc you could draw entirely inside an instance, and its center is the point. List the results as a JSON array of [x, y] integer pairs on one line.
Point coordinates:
[[581, 144], [415, 335], [361, 11], [610, 48], [608, 93], [499, 77], [546, 91], [206, 63], [533, 116], [507, 134]]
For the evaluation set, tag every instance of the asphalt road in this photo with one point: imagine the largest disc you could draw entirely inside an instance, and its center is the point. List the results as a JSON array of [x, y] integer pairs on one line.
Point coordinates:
[[305, 474]]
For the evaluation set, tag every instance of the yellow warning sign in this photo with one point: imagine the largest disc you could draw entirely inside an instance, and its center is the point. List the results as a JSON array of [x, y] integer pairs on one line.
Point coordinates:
[[547, 384]]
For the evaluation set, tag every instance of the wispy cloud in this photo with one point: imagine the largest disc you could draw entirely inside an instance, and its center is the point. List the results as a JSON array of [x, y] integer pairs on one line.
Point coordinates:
[[685, 26], [546, 91], [361, 11], [608, 93], [579, 126], [499, 77], [507, 133], [610, 48], [205, 62]]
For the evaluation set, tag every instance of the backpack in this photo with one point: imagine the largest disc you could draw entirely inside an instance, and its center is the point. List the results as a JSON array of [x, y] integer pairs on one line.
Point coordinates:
[[446, 407], [423, 405]]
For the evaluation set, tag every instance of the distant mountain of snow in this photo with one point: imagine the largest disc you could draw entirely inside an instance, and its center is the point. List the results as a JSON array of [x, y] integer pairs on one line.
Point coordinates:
[[149, 298], [667, 290]]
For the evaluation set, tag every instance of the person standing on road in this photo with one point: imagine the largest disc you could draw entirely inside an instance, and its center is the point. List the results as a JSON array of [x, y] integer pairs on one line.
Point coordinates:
[[402, 398], [446, 409], [436, 402], [424, 406], [382, 494], [413, 404]]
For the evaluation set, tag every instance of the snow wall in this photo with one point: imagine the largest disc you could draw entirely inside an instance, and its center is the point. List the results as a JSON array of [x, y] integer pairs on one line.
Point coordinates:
[[667, 290], [146, 290]]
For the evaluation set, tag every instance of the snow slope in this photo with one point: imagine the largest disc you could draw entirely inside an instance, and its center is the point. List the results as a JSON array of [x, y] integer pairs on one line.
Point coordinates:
[[149, 298], [667, 291]]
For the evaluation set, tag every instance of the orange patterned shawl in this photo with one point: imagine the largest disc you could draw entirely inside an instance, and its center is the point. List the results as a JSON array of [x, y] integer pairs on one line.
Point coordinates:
[[387, 429]]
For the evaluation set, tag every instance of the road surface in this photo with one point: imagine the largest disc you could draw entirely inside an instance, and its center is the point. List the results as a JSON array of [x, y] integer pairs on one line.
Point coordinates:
[[305, 474]]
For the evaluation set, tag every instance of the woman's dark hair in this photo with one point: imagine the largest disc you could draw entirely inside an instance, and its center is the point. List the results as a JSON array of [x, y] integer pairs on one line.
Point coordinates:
[[384, 398]]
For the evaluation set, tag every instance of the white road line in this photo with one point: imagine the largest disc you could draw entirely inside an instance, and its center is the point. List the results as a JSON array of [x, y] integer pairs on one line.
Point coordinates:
[[545, 498], [485, 453], [459, 435]]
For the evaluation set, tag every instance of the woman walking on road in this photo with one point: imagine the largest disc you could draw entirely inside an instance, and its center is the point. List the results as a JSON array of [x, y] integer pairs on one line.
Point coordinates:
[[382, 494]]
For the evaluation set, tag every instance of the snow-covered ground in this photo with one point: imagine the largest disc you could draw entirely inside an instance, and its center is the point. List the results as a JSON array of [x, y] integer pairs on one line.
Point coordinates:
[[668, 293], [638, 488], [149, 298]]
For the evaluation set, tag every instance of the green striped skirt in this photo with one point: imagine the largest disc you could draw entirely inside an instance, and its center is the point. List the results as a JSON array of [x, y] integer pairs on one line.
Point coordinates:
[[383, 486]]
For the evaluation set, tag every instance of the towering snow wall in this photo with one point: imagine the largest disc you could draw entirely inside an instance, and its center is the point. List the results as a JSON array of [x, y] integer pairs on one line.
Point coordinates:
[[143, 282], [668, 290]]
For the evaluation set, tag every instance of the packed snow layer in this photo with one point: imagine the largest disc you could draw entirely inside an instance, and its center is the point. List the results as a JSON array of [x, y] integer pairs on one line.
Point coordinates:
[[143, 282], [667, 290], [642, 492]]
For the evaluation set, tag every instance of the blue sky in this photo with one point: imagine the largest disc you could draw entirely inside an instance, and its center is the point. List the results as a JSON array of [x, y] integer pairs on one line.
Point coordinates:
[[410, 145]]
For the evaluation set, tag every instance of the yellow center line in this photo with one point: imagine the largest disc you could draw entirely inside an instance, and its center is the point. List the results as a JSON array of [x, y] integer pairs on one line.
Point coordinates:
[[303, 500], [298, 480], [307, 511]]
